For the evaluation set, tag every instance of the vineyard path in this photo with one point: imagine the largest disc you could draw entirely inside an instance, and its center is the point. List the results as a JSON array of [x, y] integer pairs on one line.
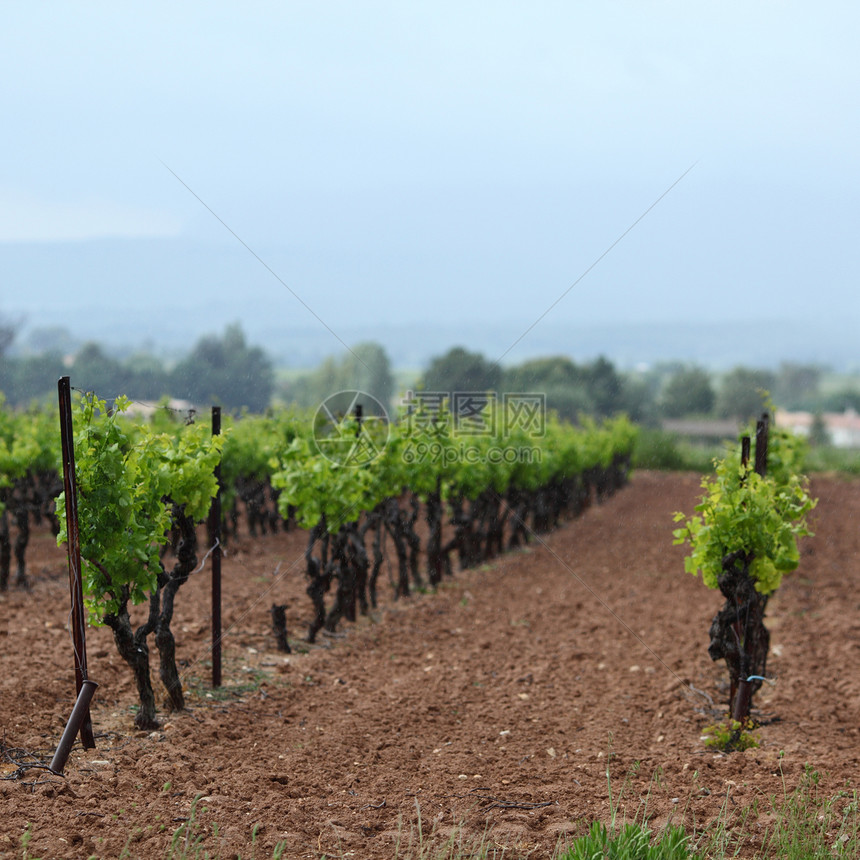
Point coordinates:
[[494, 707]]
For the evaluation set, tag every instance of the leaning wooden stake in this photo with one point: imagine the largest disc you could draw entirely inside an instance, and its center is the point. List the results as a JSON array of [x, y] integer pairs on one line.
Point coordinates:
[[215, 542], [76, 589]]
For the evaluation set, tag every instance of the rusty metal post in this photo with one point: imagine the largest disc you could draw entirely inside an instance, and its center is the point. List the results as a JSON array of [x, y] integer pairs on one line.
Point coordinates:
[[762, 428], [745, 450], [80, 712], [215, 542], [73, 544]]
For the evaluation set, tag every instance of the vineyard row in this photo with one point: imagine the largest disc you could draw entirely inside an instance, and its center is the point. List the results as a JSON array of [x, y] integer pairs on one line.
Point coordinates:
[[351, 483]]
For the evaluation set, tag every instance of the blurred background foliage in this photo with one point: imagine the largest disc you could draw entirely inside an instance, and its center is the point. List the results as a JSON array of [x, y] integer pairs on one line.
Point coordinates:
[[686, 410]]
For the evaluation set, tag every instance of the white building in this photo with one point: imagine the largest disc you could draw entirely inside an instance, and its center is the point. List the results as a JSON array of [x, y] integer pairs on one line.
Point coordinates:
[[843, 428]]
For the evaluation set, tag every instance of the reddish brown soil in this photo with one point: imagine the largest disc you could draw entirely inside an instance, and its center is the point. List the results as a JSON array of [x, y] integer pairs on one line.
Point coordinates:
[[491, 706]]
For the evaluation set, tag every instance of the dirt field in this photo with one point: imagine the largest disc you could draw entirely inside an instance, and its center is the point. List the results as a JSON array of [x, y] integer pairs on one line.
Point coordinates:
[[491, 706]]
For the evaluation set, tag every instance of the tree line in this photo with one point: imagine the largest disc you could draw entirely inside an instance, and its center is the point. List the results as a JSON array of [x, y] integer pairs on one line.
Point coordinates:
[[220, 369], [227, 370]]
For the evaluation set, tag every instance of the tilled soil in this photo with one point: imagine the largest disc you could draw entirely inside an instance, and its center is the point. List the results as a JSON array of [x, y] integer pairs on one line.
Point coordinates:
[[490, 710]]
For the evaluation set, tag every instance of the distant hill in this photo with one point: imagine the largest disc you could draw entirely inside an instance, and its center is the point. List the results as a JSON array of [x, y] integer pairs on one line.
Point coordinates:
[[412, 346], [163, 294]]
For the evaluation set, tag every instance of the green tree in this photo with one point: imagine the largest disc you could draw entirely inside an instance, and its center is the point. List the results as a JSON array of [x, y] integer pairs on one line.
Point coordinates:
[[605, 386], [148, 379], [562, 381], [579, 389], [227, 371], [845, 398], [366, 367], [141, 376], [796, 386], [461, 370], [94, 370], [638, 401], [743, 393], [29, 378], [687, 392]]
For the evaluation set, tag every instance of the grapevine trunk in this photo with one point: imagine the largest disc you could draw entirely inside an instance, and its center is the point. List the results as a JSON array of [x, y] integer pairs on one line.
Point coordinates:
[[133, 648], [738, 634]]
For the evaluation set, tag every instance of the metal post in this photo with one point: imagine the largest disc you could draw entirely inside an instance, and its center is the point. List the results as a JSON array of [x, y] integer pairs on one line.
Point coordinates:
[[73, 544], [761, 440], [80, 712], [215, 541]]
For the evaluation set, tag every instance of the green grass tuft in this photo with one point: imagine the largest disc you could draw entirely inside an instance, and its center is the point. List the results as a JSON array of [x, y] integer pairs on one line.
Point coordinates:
[[632, 841]]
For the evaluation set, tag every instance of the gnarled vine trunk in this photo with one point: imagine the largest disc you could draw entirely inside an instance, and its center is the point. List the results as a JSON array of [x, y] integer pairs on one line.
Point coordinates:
[[738, 634], [170, 583], [133, 648], [318, 571], [5, 549]]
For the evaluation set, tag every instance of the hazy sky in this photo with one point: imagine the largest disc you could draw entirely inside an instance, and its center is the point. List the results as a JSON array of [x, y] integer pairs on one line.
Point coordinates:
[[402, 162]]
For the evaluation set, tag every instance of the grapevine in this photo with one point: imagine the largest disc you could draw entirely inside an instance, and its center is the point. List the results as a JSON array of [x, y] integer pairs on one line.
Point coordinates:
[[137, 489], [29, 481], [742, 540], [483, 486], [143, 487]]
